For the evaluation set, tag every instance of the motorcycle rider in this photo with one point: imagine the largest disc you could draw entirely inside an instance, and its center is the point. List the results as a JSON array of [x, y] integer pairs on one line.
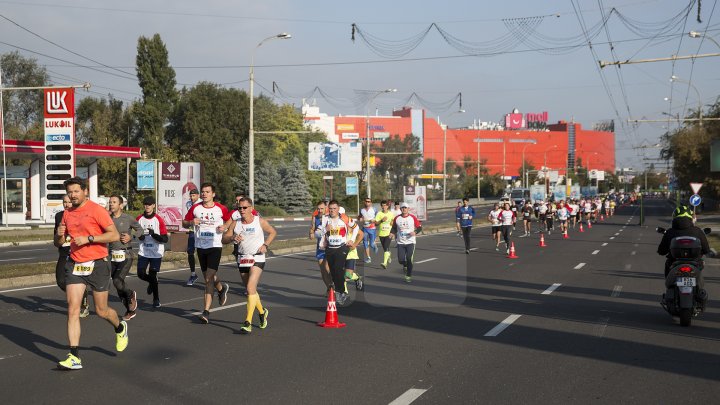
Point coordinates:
[[682, 225]]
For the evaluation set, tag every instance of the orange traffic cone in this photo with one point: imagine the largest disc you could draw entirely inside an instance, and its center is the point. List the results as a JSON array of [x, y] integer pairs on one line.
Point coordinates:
[[542, 240], [565, 235], [331, 317], [512, 251], [581, 228], [602, 217], [589, 224]]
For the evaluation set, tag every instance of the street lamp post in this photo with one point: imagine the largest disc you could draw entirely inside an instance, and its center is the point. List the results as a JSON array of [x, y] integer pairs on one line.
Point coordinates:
[[524, 179], [674, 78], [367, 139], [445, 154], [695, 34], [251, 133], [528, 142]]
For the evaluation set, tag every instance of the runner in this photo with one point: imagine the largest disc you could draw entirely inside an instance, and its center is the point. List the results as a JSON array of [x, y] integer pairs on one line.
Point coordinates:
[[121, 255], [396, 210], [464, 217], [248, 231], [317, 232], [384, 220], [337, 247], [89, 229], [507, 220], [494, 219], [208, 220], [352, 258], [457, 209], [575, 212], [542, 216], [527, 213], [587, 209], [63, 253], [152, 248], [563, 214], [367, 218], [194, 197], [550, 217], [404, 229]]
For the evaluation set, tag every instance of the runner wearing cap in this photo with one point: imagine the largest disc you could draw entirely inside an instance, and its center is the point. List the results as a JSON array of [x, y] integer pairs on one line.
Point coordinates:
[[405, 227], [367, 219], [384, 220], [194, 197], [152, 248]]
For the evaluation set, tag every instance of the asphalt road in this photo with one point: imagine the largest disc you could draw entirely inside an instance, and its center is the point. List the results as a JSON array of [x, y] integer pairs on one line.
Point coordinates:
[[286, 230], [575, 322]]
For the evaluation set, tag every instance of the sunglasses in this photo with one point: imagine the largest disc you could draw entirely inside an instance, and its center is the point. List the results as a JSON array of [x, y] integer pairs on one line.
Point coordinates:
[[243, 208]]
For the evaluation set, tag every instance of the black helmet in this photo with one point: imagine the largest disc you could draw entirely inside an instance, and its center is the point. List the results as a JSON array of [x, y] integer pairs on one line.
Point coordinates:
[[682, 211]]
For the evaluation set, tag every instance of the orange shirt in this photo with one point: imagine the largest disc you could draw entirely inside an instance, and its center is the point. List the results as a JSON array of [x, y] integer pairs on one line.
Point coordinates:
[[89, 219]]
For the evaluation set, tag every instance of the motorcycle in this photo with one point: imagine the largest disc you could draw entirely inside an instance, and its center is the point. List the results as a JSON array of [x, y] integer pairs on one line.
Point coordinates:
[[683, 297]]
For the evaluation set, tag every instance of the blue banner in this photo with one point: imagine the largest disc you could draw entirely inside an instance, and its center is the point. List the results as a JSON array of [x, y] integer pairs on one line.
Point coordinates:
[[146, 175], [351, 186]]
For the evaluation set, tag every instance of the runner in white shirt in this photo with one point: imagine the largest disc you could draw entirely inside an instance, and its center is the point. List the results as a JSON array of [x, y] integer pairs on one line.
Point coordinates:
[[494, 219], [542, 214], [337, 246], [248, 231], [405, 227], [574, 212], [152, 248], [563, 215], [367, 220], [507, 221], [210, 220]]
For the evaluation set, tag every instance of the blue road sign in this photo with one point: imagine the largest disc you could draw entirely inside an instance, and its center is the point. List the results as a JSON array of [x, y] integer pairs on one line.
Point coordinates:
[[695, 200]]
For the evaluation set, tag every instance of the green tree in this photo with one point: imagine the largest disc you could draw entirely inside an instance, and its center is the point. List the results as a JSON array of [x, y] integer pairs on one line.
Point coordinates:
[[268, 185], [297, 195], [157, 81], [23, 109], [397, 168]]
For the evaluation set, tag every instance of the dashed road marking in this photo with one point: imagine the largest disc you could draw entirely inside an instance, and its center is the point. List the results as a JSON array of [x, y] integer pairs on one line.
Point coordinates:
[[408, 396], [617, 233], [595, 252], [239, 304], [633, 253], [628, 266], [616, 291], [612, 237], [579, 266], [426, 260], [503, 325], [601, 326], [551, 289], [604, 244]]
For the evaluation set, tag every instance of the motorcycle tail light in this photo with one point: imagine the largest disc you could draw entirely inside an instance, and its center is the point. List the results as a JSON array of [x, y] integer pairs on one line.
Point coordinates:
[[685, 269]]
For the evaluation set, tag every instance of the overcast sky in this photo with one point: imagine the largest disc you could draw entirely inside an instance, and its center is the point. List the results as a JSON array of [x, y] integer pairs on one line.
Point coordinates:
[[213, 40]]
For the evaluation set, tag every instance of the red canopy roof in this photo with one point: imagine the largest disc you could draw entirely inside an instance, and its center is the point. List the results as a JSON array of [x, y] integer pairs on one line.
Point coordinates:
[[93, 151]]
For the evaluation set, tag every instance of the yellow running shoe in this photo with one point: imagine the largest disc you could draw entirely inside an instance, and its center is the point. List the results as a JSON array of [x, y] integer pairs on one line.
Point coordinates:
[[122, 337], [71, 363], [263, 319]]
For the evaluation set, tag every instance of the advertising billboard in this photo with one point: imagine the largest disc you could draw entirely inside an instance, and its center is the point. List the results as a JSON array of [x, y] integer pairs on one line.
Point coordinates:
[[416, 198], [145, 175], [173, 201], [346, 157]]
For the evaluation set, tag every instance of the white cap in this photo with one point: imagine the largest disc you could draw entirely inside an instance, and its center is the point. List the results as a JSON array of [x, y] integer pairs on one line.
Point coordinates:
[[404, 205], [341, 210]]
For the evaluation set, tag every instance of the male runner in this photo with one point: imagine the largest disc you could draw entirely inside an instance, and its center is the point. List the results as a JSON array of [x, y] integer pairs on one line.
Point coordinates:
[[367, 219], [463, 221], [63, 253], [194, 197], [507, 221], [351, 258], [527, 213], [563, 214], [207, 219], [152, 248], [316, 232], [336, 243], [384, 220], [121, 255], [405, 227], [494, 219], [248, 231], [457, 208], [89, 229]]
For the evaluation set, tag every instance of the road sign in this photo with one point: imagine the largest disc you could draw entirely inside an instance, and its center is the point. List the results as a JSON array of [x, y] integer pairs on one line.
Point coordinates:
[[351, 186], [695, 200], [695, 187]]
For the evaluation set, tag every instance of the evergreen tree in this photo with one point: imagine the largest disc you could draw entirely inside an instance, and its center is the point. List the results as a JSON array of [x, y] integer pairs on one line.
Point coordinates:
[[242, 180], [268, 185], [297, 195], [157, 80]]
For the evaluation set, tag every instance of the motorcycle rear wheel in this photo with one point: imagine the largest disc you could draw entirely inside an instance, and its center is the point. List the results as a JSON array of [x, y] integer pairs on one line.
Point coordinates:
[[685, 316]]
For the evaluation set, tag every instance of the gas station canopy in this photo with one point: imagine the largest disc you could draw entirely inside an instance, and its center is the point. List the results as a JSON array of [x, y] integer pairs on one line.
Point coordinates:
[[35, 149]]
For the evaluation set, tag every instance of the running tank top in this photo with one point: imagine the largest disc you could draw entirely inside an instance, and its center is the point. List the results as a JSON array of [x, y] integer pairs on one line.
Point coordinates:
[[253, 239]]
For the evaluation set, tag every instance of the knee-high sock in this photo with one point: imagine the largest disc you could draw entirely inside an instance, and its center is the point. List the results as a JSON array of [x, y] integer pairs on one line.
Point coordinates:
[[386, 256], [252, 301], [258, 305]]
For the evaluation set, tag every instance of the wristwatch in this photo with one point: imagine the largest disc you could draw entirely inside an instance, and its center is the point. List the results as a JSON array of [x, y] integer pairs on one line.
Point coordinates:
[[91, 239]]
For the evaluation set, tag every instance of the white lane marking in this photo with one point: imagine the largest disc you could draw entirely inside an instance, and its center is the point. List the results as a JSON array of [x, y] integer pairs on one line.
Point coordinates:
[[181, 301], [503, 325], [10, 356], [19, 258], [604, 244], [472, 249], [239, 304], [551, 289], [612, 237], [635, 245], [24, 250], [601, 326], [408, 396], [628, 266], [616, 291], [624, 227], [595, 252], [579, 266], [633, 253], [621, 229], [617, 233], [426, 260]]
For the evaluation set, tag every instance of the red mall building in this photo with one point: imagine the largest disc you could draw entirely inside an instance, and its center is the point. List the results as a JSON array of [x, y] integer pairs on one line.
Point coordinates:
[[557, 147]]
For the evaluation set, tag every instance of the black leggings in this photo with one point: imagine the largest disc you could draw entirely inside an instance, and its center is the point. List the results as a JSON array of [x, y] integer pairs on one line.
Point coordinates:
[[119, 271], [506, 231], [385, 242], [466, 236], [150, 277], [335, 258], [60, 267], [406, 256]]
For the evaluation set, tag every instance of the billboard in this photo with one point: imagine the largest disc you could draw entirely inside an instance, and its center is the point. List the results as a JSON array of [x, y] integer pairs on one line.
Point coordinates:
[[346, 157], [176, 181], [351, 186], [537, 192], [145, 175], [416, 198], [59, 135]]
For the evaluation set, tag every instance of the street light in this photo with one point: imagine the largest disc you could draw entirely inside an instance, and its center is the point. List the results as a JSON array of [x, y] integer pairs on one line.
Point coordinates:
[[251, 133], [367, 138], [674, 78], [445, 153], [695, 34]]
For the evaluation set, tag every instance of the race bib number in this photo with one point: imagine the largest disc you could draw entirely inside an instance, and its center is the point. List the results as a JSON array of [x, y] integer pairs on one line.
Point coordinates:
[[84, 268], [118, 256], [404, 234], [245, 260], [465, 216], [148, 245], [385, 226], [368, 224], [206, 234]]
